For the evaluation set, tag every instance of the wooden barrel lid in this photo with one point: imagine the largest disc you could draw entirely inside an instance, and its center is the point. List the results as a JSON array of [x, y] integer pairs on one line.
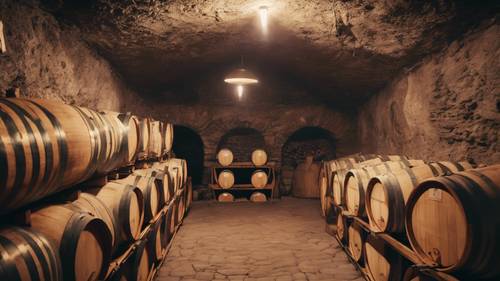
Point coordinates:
[[378, 206], [258, 197], [340, 227], [259, 179], [439, 226], [168, 136], [135, 216], [379, 267], [355, 241], [88, 246], [338, 187], [352, 196], [225, 197], [225, 157], [259, 157], [226, 179]]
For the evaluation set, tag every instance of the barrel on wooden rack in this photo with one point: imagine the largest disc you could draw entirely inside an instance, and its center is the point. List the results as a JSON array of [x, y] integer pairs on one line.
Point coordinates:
[[338, 178], [305, 179], [382, 262], [139, 265], [323, 189], [89, 203], [127, 206], [181, 208], [126, 127], [181, 166], [342, 228], [152, 192], [170, 223], [161, 178], [259, 157], [168, 136], [225, 197], [156, 242], [226, 179], [144, 128], [77, 236], [258, 197], [259, 179], [47, 146], [225, 157], [155, 139], [453, 221], [356, 242], [28, 255]]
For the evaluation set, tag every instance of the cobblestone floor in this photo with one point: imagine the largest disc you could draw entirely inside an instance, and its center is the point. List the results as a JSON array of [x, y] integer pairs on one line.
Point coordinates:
[[283, 240]]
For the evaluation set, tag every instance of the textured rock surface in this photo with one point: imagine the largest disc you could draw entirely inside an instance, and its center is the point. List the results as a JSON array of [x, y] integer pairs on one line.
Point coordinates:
[[283, 240], [448, 107], [47, 60], [342, 50]]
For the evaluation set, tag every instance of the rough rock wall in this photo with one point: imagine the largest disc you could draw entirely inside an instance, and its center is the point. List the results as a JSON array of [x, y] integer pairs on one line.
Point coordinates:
[[47, 60], [447, 107]]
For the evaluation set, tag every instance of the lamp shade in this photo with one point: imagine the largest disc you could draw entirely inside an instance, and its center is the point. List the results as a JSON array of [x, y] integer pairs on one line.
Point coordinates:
[[241, 76]]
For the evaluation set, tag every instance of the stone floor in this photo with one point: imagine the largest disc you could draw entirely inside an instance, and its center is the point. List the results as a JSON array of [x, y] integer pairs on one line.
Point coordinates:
[[282, 240]]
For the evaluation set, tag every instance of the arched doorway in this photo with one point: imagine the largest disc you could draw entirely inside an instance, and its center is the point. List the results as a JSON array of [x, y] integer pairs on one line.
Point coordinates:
[[307, 141], [189, 145], [242, 142]]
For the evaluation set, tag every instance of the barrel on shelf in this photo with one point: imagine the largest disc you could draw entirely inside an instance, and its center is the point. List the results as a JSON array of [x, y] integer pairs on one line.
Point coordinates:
[[139, 265], [127, 206], [152, 192], [259, 157], [225, 197], [169, 223], [452, 221], [258, 197], [305, 179], [28, 255], [181, 166], [382, 262], [167, 136], [126, 127], [259, 179], [89, 203], [225, 157], [156, 241], [144, 128], [342, 228], [225, 179], [161, 178], [77, 236], [323, 189], [155, 139], [356, 240], [338, 178]]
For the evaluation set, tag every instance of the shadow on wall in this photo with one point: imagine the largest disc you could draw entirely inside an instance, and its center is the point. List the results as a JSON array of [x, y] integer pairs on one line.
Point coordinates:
[[242, 142], [189, 145], [307, 141]]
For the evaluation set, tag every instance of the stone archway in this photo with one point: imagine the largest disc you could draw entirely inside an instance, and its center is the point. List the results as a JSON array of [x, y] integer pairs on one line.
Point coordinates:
[[189, 145]]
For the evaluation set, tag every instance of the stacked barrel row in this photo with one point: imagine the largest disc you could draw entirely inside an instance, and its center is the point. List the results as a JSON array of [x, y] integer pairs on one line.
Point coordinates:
[[225, 179], [47, 146], [443, 211], [119, 230]]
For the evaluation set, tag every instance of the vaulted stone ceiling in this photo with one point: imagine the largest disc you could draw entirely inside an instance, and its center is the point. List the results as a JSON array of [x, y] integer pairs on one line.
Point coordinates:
[[341, 51]]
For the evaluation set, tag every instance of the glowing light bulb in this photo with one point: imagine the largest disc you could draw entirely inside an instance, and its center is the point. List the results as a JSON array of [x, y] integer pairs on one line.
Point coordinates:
[[263, 18], [239, 89]]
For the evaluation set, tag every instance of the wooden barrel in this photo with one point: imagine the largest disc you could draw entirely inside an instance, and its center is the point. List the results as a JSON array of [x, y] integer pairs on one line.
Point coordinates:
[[356, 242], [156, 241], [127, 206], [258, 197], [181, 166], [89, 203], [189, 194], [144, 128], [323, 186], [77, 236], [155, 140], [46, 147], [338, 178], [259, 179], [27, 256], [225, 157], [138, 266], [162, 179], [127, 129], [351, 161], [225, 197], [167, 136], [341, 228], [152, 192], [453, 221], [181, 208], [305, 179], [259, 157], [170, 222], [382, 262], [226, 179]]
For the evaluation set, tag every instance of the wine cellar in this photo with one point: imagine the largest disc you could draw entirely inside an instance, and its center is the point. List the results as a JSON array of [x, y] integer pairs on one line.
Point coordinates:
[[249, 140]]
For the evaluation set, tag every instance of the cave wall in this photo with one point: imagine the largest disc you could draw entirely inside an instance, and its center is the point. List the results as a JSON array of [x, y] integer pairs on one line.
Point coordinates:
[[46, 59], [447, 107]]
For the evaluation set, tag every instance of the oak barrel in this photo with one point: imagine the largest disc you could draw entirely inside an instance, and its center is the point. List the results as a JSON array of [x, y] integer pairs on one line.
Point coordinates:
[[161, 179], [155, 139], [181, 166], [127, 206], [382, 262], [225, 157], [452, 221], [323, 189], [156, 240], [226, 179], [341, 227], [138, 266], [259, 179], [259, 157], [181, 208], [27, 255], [89, 203], [305, 179], [356, 242], [338, 178], [168, 136], [152, 192], [144, 128], [258, 197], [127, 126], [170, 222], [77, 236], [225, 197]]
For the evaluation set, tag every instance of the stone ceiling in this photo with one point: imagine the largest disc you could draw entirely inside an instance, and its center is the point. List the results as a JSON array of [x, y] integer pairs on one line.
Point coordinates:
[[340, 51]]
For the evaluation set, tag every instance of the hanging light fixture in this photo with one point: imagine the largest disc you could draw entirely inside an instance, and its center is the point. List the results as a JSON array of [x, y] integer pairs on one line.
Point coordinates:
[[241, 76]]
